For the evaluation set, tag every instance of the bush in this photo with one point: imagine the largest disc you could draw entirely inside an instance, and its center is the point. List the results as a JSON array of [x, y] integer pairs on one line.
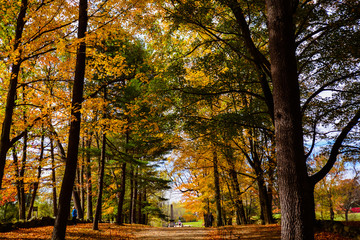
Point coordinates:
[[8, 212]]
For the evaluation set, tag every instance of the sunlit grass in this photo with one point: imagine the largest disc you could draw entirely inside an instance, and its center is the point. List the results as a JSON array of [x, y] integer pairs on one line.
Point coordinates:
[[351, 217], [340, 217], [194, 224]]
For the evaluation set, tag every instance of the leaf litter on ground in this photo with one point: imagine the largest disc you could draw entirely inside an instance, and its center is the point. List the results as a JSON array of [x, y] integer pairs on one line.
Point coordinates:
[[135, 231]]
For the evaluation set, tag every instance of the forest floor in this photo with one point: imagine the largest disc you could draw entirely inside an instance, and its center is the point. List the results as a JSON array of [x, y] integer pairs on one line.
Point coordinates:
[[130, 232]]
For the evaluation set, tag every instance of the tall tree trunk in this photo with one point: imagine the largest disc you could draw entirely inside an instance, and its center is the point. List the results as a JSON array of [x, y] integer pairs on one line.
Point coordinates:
[[120, 214], [266, 208], [239, 206], [101, 175], [81, 172], [135, 203], [140, 219], [89, 211], [36, 184], [100, 185], [11, 95], [145, 216], [131, 194], [76, 196], [22, 199], [347, 214], [74, 132], [270, 183], [53, 178], [331, 207], [264, 201], [77, 203], [18, 183], [256, 163], [219, 222], [295, 187], [81, 185]]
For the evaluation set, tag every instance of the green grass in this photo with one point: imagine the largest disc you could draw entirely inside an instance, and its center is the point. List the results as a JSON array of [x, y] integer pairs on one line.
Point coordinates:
[[351, 217], [194, 224], [341, 217], [338, 217]]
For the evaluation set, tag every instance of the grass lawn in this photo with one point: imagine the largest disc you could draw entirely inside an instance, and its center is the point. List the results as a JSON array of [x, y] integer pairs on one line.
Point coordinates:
[[341, 217], [194, 224], [351, 216]]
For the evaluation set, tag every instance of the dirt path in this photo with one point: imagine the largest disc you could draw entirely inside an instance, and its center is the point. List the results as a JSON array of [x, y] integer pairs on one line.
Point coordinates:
[[175, 233], [130, 232], [271, 232]]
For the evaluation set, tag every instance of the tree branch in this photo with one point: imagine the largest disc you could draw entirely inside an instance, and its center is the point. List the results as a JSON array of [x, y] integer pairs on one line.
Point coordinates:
[[335, 149]]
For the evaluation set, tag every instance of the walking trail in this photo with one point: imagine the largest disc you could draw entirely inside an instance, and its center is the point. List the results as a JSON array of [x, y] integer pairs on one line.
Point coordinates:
[[130, 232], [234, 232]]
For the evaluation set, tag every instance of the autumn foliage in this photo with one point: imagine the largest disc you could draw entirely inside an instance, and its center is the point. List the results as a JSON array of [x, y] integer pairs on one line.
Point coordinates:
[[182, 95]]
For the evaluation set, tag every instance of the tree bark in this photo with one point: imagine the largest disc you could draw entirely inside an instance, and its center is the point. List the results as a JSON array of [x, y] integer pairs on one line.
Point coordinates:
[[89, 211], [76, 196], [295, 188], [145, 216], [82, 186], [131, 194], [100, 185], [331, 208], [19, 184], [239, 206], [22, 200], [135, 192], [347, 215], [264, 201], [11, 95], [120, 214], [219, 221], [77, 203], [53, 177], [140, 219], [101, 174], [265, 205], [74, 132]]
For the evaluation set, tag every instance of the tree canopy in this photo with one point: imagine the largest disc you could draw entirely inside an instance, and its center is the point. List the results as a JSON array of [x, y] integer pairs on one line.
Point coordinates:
[[249, 108]]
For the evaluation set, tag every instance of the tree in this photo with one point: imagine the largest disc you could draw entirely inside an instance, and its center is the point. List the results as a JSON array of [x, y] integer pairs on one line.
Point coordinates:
[[349, 190], [296, 199], [101, 173], [74, 132], [36, 184], [242, 29], [31, 34], [5, 142], [295, 186], [325, 190]]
